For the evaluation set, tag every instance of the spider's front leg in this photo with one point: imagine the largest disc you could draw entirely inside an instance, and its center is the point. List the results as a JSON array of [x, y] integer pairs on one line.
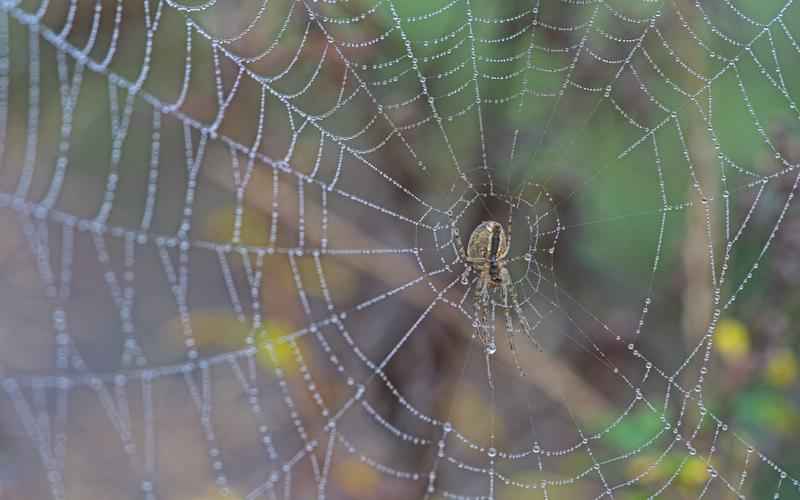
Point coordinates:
[[480, 302], [459, 246], [508, 288]]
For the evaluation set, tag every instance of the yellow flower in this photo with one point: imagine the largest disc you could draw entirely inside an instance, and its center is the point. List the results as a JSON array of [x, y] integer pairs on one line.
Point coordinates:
[[782, 368], [694, 472], [645, 465], [272, 352], [214, 329], [732, 340]]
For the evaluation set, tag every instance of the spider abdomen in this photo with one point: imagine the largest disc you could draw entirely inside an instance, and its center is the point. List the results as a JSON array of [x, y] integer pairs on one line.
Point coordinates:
[[488, 241]]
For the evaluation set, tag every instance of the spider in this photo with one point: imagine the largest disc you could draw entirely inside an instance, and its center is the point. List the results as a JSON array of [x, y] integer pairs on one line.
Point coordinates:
[[487, 256]]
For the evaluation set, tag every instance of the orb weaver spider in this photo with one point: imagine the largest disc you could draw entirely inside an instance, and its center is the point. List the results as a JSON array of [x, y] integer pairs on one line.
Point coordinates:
[[487, 256]]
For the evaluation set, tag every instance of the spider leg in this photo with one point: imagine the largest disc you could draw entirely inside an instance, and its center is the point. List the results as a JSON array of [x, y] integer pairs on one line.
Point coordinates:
[[459, 246], [485, 306], [479, 312], [482, 306], [510, 327], [526, 327]]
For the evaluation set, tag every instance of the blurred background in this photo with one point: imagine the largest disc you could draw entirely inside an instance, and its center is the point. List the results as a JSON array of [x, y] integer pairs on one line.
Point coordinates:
[[228, 265]]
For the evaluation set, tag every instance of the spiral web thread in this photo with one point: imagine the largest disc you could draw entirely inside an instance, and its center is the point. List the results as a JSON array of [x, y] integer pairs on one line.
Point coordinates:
[[301, 74]]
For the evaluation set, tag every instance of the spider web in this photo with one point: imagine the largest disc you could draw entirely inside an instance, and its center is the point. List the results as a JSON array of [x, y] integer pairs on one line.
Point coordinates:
[[230, 268]]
